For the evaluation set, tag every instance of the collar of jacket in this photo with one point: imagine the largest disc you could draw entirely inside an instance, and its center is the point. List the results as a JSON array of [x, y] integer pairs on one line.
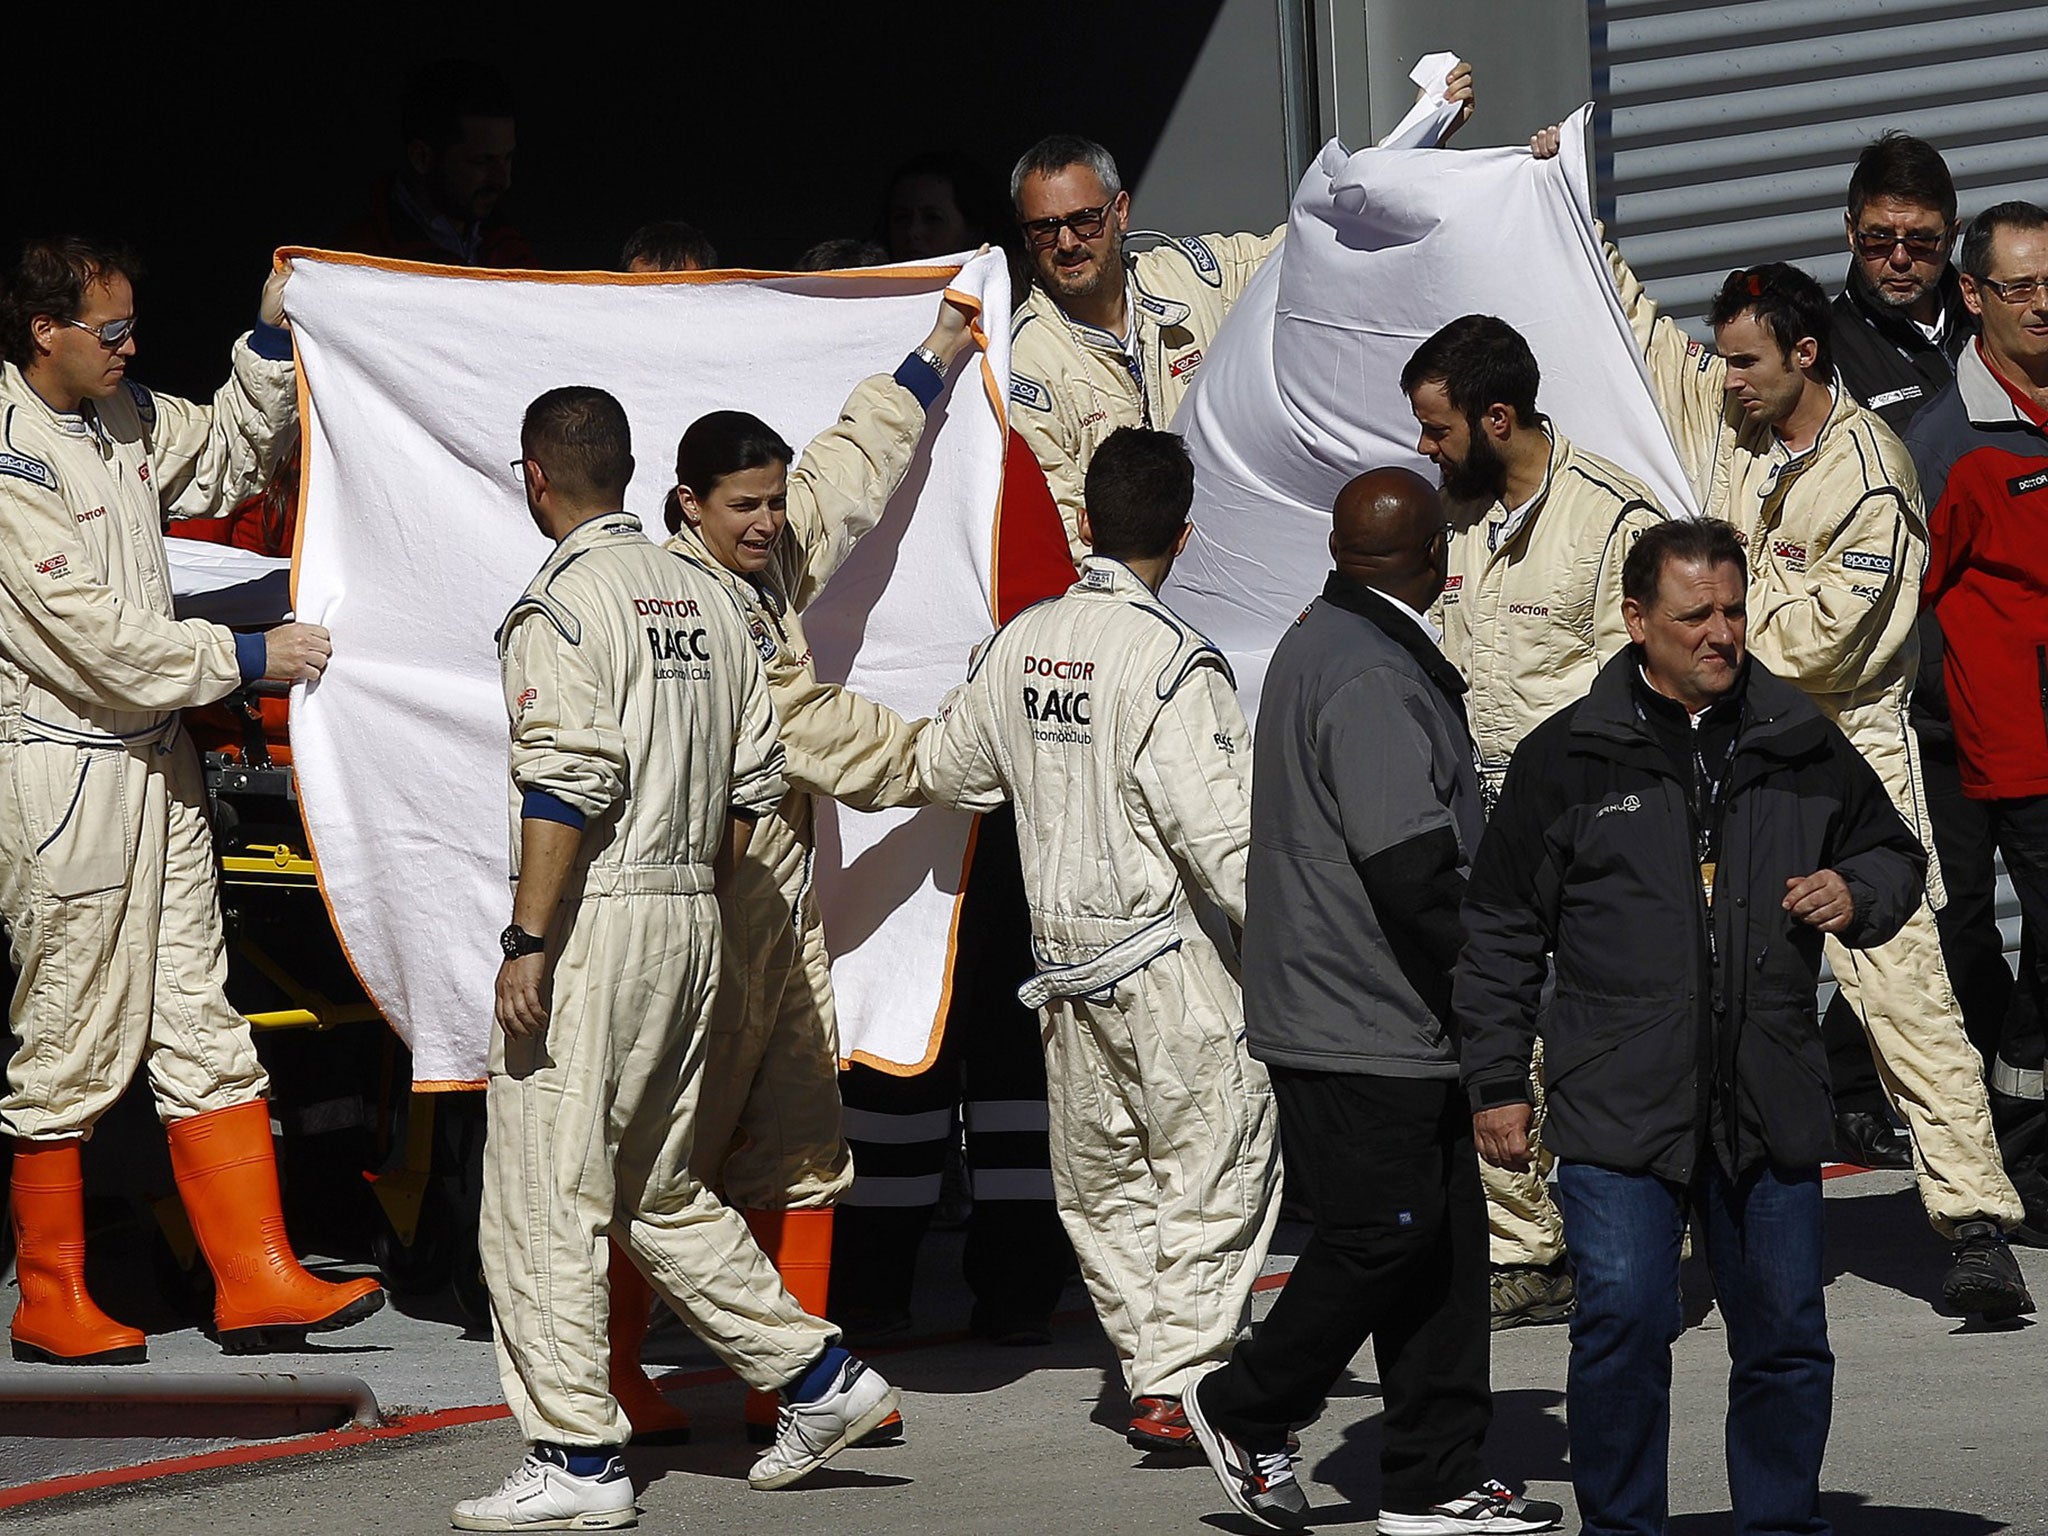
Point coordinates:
[[1340, 591], [605, 525], [689, 540], [1107, 576], [1984, 397], [1499, 507], [1787, 466], [1145, 305], [82, 422], [1901, 332], [1780, 724]]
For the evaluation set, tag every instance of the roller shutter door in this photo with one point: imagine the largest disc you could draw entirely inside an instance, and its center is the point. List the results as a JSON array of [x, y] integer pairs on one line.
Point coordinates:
[[1726, 133]]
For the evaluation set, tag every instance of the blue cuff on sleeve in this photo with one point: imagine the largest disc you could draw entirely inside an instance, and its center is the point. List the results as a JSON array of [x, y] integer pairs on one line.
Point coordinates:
[[921, 379], [251, 656], [539, 805], [271, 341]]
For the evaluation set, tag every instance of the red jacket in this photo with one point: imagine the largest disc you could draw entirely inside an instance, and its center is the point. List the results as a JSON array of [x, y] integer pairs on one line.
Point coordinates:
[[1982, 454]]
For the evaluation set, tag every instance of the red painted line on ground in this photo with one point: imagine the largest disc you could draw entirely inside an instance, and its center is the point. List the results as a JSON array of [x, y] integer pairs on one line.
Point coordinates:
[[297, 1445]]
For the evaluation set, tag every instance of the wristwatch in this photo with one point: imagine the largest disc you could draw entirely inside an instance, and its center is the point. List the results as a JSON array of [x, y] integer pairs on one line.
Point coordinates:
[[516, 941], [931, 358]]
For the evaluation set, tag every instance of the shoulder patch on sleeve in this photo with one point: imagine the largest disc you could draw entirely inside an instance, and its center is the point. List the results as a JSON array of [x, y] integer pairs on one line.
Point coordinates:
[[145, 402], [1027, 391], [1201, 258], [22, 467], [566, 624], [1867, 560]]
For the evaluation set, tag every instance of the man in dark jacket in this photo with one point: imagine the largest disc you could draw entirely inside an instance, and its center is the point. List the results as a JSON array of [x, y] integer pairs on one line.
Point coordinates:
[[1365, 812], [1899, 324], [1679, 841]]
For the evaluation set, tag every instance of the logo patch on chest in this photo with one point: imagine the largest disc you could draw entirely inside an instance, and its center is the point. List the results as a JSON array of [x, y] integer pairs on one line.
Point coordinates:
[[1867, 560], [1792, 554], [2025, 483], [56, 565], [763, 641], [86, 517], [1186, 363]]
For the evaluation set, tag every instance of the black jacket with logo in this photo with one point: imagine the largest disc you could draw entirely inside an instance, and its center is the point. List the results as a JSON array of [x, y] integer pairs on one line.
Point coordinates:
[[1662, 1004], [1886, 360]]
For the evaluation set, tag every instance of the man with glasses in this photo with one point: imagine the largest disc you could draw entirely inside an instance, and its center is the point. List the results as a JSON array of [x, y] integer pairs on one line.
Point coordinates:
[[1899, 325], [1107, 338], [1825, 497], [1981, 449], [106, 859], [1900, 321]]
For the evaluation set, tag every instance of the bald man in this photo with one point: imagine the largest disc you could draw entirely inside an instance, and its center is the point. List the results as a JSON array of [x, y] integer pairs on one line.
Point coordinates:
[[1365, 815]]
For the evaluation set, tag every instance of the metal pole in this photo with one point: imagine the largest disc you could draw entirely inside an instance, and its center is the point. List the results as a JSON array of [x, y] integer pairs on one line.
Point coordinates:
[[84, 1384]]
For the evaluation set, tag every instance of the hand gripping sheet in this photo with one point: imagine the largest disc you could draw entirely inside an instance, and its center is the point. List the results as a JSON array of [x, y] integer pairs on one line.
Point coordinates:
[[415, 540], [1302, 389]]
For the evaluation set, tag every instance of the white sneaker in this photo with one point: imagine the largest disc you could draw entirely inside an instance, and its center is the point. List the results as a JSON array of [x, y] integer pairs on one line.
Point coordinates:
[[1491, 1509], [542, 1494], [807, 1435]]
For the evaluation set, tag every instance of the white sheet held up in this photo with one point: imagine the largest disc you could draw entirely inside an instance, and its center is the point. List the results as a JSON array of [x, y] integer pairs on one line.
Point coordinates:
[[415, 540], [1301, 391]]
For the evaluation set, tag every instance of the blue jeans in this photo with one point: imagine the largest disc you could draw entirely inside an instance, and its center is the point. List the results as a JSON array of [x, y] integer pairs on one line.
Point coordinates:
[[1762, 1235]]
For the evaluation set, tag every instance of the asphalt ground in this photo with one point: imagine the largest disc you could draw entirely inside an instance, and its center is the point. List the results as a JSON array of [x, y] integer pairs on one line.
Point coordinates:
[[1940, 1430]]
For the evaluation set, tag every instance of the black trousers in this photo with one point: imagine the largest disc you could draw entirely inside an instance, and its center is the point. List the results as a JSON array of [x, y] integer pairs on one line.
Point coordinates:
[[1398, 1255], [990, 1074], [1965, 840]]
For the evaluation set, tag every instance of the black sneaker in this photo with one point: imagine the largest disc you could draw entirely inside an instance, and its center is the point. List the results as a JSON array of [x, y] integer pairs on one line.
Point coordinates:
[[1985, 1279], [1491, 1509], [1262, 1484]]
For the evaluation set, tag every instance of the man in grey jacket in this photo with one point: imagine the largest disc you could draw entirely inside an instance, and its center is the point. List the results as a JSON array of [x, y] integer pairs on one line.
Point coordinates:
[[1365, 813]]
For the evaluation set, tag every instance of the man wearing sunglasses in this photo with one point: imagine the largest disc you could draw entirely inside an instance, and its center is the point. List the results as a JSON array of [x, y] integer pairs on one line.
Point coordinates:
[[1900, 321], [1899, 325], [1107, 338], [106, 859], [1827, 501]]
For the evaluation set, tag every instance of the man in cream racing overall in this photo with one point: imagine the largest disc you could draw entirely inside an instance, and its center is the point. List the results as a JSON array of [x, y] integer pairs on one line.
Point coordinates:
[[1115, 730]]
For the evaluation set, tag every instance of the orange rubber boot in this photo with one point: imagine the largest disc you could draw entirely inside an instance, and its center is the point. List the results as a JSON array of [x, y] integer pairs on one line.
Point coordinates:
[[263, 1298], [799, 1245], [57, 1322], [655, 1420]]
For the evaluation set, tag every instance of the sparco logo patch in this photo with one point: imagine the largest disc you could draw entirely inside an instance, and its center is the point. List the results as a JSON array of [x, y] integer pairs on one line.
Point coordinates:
[[1187, 362], [33, 470], [1626, 803], [1867, 560], [1204, 260], [1029, 392], [2026, 483]]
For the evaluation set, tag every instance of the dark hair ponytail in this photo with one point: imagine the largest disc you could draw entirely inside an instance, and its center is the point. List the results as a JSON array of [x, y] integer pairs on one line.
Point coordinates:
[[720, 444]]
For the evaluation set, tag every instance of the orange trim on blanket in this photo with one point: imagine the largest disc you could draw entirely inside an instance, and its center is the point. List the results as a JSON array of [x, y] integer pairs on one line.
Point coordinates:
[[644, 279], [613, 279], [298, 543], [938, 1036]]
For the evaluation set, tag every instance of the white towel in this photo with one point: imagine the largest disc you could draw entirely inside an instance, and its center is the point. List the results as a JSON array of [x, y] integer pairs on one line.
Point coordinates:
[[1302, 389], [414, 540]]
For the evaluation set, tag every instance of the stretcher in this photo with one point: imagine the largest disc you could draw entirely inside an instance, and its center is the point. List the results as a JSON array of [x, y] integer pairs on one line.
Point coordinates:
[[338, 1074]]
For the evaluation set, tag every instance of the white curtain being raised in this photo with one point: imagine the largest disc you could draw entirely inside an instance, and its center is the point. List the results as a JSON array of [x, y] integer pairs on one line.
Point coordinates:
[[414, 541], [1301, 391]]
